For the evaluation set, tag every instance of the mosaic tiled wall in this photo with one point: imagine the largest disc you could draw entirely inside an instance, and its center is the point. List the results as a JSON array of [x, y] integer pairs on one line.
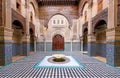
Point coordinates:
[[91, 49], [76, 46], [20, 49], [31, 46], [5, 53], [17, 49], [67, 46], [101, 50], [40, 46], [26, 49], [85, 47], [97, 49], [113, 54]]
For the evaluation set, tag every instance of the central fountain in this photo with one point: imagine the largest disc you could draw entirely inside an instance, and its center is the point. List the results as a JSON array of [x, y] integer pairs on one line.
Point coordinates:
[[58, 57]]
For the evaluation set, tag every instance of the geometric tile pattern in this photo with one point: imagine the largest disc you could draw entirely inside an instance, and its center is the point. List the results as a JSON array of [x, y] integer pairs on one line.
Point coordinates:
[[24, 68], [46, 62]]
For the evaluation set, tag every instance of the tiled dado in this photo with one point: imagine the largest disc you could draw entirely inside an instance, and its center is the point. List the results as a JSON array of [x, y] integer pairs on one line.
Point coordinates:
[[92, 49], [110, 51], [97, 49], [21, 49], [41, 46], [5, 53], [26, 49], [113, 54]]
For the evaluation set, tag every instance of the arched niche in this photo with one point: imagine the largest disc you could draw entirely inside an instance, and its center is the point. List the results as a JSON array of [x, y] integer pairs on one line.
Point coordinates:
[[100, 34], [85, 39], [18, 33]]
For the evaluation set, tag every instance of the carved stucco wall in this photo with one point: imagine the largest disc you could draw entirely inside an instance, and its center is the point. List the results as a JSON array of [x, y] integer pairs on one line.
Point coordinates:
[[46, 12]]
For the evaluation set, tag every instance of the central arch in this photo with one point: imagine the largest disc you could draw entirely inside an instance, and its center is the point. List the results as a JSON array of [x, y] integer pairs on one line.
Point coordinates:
[[58, 42]]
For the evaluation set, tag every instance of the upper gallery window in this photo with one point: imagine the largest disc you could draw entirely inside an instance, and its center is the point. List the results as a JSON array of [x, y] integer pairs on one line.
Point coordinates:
[[54, 21], [58, 22], [62, 22]]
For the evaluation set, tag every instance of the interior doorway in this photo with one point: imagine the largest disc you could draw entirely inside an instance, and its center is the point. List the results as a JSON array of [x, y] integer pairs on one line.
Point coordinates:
[[58, 42], [17, 46]]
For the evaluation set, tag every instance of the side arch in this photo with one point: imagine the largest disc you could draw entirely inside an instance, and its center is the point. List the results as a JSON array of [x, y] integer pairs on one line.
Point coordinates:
[[98, 23]]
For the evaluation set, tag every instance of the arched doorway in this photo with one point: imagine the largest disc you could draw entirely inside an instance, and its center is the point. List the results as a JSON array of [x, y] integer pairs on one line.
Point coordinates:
[[17, 47], [31, 41], [85, 39], [58, 42], [100, 34]]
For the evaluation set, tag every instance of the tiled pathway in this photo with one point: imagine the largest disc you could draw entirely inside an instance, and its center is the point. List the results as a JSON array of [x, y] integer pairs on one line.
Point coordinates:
[[24, 68]]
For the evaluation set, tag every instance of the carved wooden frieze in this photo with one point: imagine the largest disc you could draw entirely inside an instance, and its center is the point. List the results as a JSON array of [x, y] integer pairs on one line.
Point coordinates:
[[102, 15], [46, 13], [19, 17]]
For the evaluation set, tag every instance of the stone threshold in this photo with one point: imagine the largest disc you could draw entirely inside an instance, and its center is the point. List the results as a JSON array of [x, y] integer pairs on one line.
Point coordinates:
[[102, 59], [15, 58]]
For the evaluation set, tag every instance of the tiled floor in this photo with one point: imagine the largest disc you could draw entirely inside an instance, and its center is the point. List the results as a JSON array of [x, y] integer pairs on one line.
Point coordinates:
[[24, 68]]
